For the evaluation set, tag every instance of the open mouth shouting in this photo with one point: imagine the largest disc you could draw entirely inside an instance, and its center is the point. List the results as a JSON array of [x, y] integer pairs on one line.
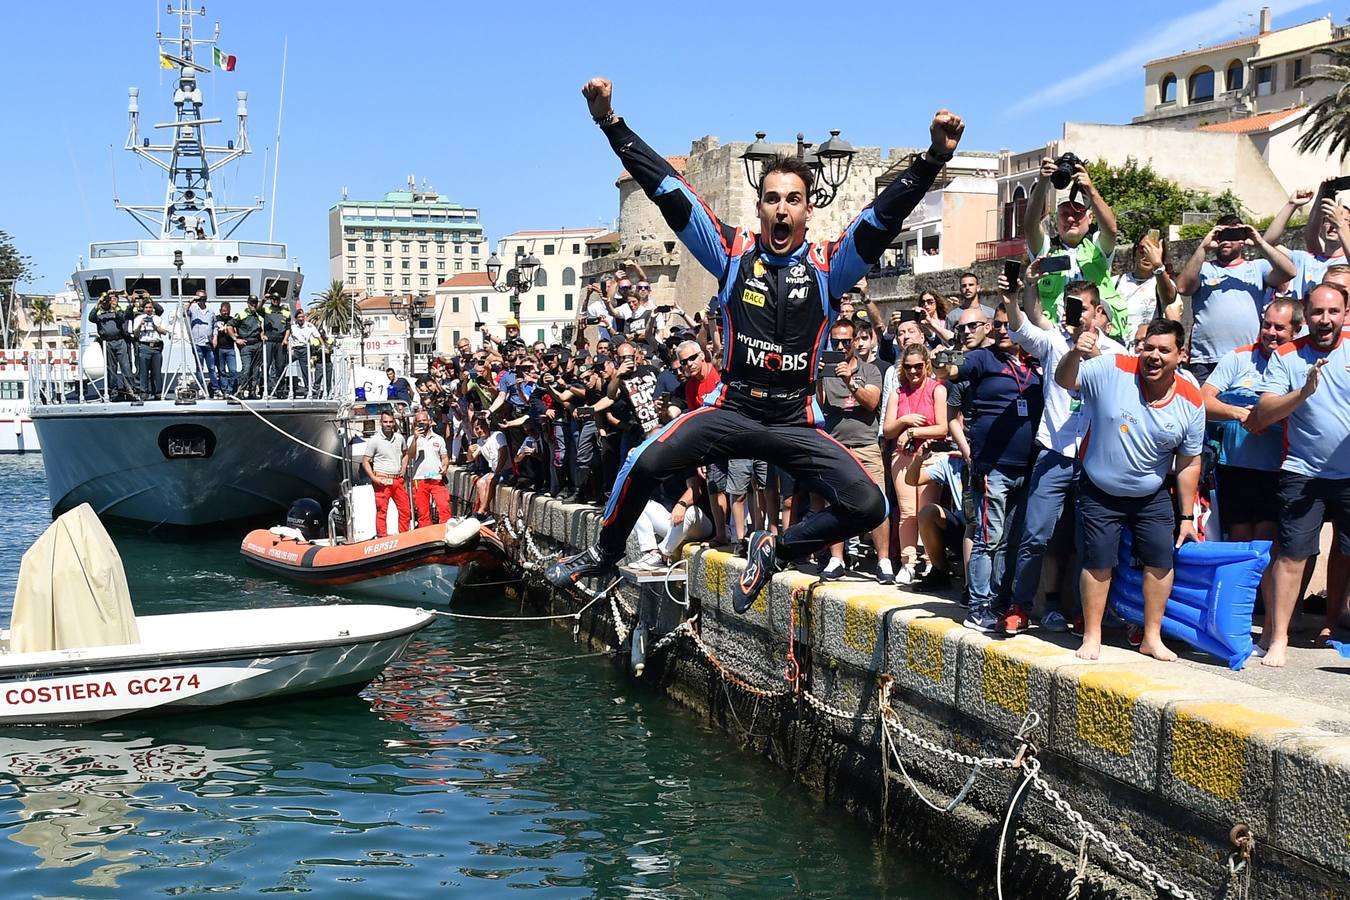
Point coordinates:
[[780, 236]]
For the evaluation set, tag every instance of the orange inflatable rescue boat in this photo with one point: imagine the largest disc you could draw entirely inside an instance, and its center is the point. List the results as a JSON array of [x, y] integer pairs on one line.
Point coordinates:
[[423, 565]]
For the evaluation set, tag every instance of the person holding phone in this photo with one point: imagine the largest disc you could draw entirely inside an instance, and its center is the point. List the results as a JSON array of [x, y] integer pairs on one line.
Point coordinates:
[[849, 392], [777, 292], [1054, 476], [1228, 293], [1321, 236], [429, 461]]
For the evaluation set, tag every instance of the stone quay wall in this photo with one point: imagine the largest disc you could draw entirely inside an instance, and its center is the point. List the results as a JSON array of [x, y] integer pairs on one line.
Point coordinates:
[[1165, 760]]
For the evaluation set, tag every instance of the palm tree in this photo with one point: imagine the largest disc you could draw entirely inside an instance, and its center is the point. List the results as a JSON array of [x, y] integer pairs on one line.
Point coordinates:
[[40, 314], [1329, 117], [334, 309]]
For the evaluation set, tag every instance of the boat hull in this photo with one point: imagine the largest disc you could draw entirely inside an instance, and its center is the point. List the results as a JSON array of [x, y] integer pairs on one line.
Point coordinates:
[[415, 566], [98, 684], [162, 465]]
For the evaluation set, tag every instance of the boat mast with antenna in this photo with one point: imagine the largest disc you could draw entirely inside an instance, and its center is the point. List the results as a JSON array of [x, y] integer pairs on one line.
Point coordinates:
[[189, 209]]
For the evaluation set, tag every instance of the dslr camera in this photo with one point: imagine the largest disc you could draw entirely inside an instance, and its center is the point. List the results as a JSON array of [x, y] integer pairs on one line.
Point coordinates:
[[1066, 166]]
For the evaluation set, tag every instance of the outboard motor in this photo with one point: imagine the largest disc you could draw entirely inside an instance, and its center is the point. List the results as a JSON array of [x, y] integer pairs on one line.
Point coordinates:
[[306, 517]]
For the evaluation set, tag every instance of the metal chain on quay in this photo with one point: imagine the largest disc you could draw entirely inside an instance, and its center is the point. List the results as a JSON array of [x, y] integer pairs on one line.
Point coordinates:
[[891, 729]]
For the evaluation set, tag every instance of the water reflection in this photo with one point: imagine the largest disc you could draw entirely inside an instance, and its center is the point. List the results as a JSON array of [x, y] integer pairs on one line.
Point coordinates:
[[487, 761]]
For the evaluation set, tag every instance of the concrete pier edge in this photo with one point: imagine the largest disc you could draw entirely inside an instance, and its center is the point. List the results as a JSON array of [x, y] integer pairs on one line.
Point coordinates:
[[1165, 760]]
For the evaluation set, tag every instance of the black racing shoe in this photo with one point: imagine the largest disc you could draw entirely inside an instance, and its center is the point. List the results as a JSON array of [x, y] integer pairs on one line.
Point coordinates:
[[761, 561], [567, 572]]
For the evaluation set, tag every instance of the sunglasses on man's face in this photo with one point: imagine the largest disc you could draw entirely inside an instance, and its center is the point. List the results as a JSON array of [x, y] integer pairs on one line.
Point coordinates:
[[842, 342], [686, 360], [970, 326]]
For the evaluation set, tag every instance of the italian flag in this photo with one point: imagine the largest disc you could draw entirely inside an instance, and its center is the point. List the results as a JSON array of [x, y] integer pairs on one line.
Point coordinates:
[[222, 59]]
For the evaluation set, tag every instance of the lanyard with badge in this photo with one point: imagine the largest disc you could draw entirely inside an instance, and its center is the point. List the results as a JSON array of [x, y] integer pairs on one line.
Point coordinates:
[[1022, 408]]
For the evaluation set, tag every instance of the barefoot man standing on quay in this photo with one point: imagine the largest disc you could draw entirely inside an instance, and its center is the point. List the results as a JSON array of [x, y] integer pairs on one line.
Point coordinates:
[[1145, 421], [778, 294]]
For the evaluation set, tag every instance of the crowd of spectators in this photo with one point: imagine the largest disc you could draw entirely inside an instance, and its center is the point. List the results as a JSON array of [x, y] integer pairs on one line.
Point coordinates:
[[1016, 430]]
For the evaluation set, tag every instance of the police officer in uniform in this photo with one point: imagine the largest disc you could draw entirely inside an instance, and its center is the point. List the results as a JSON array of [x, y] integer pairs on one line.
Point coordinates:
[[276, 332], [246, 329]]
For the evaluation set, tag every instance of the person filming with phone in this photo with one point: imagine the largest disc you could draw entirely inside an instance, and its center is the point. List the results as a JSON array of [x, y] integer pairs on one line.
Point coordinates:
[[1228, 293], [1059, 436], [1005, 400]]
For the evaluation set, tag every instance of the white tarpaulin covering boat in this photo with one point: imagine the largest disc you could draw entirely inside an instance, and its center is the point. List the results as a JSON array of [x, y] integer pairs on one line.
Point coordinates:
[[72, 589], [121, 664]]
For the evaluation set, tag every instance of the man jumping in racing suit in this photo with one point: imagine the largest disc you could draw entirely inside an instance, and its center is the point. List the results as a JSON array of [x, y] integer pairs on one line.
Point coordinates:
[[778, 296]]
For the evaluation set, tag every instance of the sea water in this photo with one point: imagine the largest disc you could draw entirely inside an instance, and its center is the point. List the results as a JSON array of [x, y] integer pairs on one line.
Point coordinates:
[[495, 759]]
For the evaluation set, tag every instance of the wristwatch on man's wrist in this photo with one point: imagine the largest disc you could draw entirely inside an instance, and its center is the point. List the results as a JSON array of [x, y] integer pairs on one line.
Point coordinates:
[[603, 121]]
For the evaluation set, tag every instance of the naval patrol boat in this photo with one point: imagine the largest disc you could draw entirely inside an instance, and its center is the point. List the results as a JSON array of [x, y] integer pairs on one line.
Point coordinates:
[[180, 456]]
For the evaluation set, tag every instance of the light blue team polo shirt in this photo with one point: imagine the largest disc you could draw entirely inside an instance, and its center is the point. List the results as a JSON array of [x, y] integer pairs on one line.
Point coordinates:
[[1131, 444], [1318, 430], [1227, 308], [1238, 378]]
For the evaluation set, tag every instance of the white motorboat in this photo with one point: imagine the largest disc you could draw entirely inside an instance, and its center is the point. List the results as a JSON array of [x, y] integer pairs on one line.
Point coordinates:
[[180, 456], [17, 434], [75, 651]]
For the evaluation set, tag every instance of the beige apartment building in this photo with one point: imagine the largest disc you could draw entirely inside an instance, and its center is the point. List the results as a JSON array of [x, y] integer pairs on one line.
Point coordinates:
[[558, 288], [1236, 79], [957, 215], [1223, 117], [408, 242], [464, 303]]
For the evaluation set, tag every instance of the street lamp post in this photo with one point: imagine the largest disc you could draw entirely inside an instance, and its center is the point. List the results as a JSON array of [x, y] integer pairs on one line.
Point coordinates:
[[829, 163], [362, 328], [410, 312], [518, 280]]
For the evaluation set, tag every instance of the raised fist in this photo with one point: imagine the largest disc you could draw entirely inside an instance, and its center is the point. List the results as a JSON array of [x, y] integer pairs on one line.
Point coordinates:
[[598, 93], [945, 131]]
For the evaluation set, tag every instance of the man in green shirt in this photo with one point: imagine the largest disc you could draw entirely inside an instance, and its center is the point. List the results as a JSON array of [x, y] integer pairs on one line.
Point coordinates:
[[1089, 253]]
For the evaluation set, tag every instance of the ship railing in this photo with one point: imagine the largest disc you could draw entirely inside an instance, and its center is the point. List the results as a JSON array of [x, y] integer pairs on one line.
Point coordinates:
[[311, 373]]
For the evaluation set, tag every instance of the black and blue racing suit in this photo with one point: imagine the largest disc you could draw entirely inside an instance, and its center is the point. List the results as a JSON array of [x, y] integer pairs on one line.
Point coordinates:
[[776, 313]]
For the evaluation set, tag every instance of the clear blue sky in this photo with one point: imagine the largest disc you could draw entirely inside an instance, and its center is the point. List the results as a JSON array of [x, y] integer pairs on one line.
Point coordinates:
[[481, 99]]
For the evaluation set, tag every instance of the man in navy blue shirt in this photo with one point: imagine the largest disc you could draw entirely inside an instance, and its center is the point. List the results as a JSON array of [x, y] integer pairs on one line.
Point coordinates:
[[1005, 400], [398, 388]]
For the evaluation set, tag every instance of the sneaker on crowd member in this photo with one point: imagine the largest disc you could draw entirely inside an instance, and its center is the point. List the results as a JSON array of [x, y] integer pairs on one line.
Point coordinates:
[[834, 569], [1054, 621], [1014, 621]]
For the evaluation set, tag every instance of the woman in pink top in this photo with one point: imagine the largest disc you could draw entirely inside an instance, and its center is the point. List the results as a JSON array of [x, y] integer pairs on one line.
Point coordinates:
[[915, 414]]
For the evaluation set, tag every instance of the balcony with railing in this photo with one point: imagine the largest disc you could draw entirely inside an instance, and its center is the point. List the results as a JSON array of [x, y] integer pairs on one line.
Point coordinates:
[[1007, 248]]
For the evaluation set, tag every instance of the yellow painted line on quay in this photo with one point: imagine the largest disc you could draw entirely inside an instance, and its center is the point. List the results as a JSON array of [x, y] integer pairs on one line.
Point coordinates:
[[1209, 744], [923, 646], [1104, 714], [1006, 671]]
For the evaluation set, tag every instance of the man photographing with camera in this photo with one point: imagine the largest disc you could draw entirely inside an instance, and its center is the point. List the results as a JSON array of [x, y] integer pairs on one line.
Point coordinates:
[[1075, 253], [776, 293]]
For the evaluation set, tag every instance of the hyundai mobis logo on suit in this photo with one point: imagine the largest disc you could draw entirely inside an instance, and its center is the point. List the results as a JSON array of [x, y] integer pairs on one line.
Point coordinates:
[[770, 356]]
